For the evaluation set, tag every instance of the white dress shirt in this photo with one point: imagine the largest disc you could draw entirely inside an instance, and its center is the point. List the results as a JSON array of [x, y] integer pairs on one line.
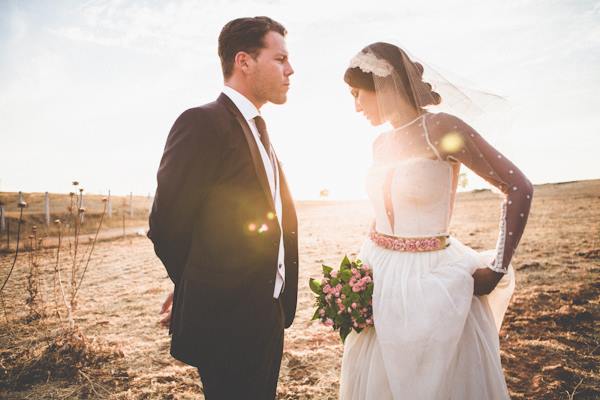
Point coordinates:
[[249, 111]]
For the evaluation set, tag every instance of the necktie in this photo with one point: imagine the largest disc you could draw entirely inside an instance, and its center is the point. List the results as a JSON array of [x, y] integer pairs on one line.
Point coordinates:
[[261, 126], [264, 137]]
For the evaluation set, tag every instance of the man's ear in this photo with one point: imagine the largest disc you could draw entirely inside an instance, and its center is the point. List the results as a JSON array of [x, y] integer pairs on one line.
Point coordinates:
[[242, 61]]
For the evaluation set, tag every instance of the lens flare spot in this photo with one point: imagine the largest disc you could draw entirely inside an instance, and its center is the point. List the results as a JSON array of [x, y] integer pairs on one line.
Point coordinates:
[[271, 216], [252, 227], [263, 228], [452, 142]]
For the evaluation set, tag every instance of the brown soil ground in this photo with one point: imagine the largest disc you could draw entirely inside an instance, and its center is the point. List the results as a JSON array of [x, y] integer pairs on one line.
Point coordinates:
[[550, 338]]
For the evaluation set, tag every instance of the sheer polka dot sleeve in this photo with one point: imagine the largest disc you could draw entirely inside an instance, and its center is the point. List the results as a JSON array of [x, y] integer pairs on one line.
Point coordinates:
[[457, 141]]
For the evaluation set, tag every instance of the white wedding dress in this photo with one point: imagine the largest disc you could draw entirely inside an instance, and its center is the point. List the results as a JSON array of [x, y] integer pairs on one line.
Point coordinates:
[[432, 339]]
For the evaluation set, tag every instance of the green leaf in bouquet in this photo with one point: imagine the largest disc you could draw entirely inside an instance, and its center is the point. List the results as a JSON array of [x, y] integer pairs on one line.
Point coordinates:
[[355, 297], [347, 290], [315, 286], [331, 314], [316, 315], [334, 281], [345, 275], [327, 270], [346, 264], [369, 291], [338, 320], [344, 332]]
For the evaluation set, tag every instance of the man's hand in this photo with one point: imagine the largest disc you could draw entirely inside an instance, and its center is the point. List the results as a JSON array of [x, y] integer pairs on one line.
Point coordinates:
[[166, 309], [485, 281]]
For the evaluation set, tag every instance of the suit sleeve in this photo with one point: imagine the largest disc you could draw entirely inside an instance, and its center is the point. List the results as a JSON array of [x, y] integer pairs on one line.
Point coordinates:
[[186, 173]]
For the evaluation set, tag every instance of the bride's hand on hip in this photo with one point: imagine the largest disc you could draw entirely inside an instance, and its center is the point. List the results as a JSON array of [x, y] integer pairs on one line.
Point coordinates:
[[485, 281]]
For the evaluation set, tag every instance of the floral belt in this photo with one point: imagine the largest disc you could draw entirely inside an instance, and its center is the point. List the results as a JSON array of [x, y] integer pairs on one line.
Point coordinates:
[[415, 245]]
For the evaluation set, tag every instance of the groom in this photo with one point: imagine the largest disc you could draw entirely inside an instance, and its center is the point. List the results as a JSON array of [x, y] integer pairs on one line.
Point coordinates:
[[224, 225]]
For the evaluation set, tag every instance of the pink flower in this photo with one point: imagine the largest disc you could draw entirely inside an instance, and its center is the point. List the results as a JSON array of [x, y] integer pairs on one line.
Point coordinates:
[[328, 322], [369, 321], [322, 312], [354, 306], [334, 274]]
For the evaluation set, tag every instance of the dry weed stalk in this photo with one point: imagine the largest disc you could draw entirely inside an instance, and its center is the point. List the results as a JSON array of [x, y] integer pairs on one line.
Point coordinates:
[[76, 277], [34, 299], [21, 205], [56, 279]]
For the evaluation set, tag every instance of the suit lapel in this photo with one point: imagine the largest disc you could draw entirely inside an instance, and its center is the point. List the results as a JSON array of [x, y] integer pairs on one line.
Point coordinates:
[[259, 167]]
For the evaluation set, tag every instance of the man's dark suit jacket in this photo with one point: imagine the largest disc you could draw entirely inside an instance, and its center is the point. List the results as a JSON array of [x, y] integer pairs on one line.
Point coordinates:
[[212, 196]]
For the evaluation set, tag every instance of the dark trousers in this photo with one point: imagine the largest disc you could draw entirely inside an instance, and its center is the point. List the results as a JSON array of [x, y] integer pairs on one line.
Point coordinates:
[[246, 362]]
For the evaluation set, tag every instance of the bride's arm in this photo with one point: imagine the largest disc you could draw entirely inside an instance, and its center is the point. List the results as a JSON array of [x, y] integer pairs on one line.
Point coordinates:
[[454, 139]]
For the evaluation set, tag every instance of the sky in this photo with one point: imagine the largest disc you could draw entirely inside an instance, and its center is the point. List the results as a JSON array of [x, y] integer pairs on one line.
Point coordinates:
[[90, 89]]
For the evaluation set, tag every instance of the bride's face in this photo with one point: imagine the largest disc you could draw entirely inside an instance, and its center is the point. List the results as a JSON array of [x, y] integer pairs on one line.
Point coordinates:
[[365, 101]]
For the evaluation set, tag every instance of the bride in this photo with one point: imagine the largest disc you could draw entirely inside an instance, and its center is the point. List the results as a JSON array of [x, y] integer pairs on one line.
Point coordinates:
[[437, 304]]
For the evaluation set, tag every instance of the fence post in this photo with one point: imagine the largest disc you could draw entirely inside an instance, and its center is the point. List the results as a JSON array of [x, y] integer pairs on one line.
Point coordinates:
[[47, 208], [2, 218], [131, 205], [123, 214], [109, 205]]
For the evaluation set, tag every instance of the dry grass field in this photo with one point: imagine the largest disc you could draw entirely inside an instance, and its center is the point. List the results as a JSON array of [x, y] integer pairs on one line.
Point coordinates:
[[550, 338]]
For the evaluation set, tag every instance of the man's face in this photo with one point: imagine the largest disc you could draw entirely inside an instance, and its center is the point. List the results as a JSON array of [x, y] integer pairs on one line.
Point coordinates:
[[269, 76]]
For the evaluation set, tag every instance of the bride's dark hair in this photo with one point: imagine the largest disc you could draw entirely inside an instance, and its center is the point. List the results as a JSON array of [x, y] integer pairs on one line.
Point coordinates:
[[394, 55]]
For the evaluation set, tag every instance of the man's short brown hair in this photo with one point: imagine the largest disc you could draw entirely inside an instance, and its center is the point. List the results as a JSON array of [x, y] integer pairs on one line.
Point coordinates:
[[244, 34]]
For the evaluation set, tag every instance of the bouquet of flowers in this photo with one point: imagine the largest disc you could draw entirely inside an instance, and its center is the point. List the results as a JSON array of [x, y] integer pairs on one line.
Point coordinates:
[[344, 297]]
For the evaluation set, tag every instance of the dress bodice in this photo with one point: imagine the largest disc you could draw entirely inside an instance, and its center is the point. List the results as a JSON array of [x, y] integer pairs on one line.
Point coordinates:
[[420, 194]]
